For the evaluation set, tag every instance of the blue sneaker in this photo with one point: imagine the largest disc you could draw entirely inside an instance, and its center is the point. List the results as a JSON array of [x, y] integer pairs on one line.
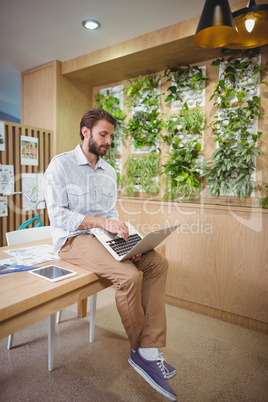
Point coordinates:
[[170, 371], [153, 371]]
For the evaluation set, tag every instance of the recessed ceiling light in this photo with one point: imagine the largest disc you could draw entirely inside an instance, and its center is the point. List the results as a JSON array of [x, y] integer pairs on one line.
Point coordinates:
[[91, 24]]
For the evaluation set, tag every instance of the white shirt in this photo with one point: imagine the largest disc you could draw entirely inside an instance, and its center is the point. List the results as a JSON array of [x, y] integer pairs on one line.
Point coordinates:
[[73, 190]]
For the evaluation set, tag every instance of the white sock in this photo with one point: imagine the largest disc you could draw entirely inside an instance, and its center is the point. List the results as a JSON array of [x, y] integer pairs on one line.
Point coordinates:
[[149, 353]]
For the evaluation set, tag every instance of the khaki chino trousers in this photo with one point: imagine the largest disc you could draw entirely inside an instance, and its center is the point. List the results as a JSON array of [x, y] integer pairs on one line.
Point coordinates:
[[140, 299]]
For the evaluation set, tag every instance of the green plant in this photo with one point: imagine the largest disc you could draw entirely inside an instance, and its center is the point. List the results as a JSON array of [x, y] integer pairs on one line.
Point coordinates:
[[239, 76], [171, 127], [230, 169], [142, 172], [189, 77], [193, 120], [141, 92], [146, 124], [144, 128], [263, 201], [182, 175], [111, 104], [188, 121], [237, 124]]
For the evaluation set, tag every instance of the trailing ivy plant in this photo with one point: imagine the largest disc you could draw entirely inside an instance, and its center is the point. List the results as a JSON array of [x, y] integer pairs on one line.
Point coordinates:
[[231, 166], [189, 77], [146, 123], [142, 172], [111, 104]]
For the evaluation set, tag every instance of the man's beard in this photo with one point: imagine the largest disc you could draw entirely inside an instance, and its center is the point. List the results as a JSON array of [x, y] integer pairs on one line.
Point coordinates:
[[94, 148]]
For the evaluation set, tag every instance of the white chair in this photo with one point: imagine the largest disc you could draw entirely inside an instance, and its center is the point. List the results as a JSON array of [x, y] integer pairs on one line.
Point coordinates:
[[39, 233], [25, 235]]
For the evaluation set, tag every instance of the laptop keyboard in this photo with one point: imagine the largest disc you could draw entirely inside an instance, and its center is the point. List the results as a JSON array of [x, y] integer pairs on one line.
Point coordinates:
[[121, 246]]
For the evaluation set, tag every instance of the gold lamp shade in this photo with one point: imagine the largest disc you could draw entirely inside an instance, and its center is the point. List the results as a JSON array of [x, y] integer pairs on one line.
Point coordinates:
[[252, 26], [216, 27]]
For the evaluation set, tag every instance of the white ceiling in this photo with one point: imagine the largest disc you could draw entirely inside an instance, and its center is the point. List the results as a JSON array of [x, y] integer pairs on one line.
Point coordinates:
[[34, 32]]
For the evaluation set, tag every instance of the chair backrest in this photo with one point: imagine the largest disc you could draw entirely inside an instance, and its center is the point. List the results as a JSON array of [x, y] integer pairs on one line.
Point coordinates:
[[25, 235]]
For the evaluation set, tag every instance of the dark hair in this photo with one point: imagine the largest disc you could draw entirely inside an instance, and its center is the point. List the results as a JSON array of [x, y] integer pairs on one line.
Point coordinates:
[[91, 118]]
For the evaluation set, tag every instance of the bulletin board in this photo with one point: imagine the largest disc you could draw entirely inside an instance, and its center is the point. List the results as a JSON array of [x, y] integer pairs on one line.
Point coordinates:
[[21, 165]]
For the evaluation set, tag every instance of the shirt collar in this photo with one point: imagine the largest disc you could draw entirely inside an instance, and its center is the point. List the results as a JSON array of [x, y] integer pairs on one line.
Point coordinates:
[[82, 159]]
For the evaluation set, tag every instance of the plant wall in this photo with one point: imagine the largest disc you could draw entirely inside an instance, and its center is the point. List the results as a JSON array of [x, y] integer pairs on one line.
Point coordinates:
[[231, 168], [171, 150]]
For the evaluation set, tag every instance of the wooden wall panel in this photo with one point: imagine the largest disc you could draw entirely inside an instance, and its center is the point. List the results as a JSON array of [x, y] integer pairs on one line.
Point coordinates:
[[54, 102], [38, 100], [218, 257], [11, 156], [73, 100]]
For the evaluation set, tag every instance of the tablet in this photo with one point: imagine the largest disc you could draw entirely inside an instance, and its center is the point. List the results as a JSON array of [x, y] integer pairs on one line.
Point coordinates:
[[52, 273]]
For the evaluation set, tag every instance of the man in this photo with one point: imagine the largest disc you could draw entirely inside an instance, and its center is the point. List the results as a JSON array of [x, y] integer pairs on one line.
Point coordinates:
[[81, 195]]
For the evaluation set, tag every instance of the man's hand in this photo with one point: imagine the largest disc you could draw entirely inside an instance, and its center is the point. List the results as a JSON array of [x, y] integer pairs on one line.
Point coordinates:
[[136, 258], [111, 225], [118, 227]]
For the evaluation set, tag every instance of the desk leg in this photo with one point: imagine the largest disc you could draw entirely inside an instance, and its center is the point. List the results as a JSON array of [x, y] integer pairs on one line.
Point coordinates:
[[51, 341], [92, 316], [82, 308]]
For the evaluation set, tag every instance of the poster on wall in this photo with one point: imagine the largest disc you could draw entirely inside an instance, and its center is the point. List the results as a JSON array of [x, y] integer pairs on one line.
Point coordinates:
[[3, 206], [2, 136], [29, 150], [6, 179], [32, 185]]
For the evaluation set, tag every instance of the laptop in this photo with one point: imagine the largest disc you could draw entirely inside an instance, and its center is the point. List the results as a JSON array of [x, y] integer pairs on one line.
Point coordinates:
[[122, 250]]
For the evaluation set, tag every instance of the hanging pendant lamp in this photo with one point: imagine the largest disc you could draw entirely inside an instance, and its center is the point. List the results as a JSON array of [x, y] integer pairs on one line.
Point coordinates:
[[216, 27], [252, 26]]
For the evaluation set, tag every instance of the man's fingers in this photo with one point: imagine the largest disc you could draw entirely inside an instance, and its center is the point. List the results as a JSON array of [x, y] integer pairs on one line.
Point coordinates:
[[123, 230], [136, 257], [118, 227]]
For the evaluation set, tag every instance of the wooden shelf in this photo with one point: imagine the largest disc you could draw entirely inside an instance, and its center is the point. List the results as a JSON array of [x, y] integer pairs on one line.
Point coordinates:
[[100, 70]]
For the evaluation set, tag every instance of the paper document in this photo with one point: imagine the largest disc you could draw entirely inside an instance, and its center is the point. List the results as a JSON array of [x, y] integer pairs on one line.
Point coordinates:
[[30, 255]]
